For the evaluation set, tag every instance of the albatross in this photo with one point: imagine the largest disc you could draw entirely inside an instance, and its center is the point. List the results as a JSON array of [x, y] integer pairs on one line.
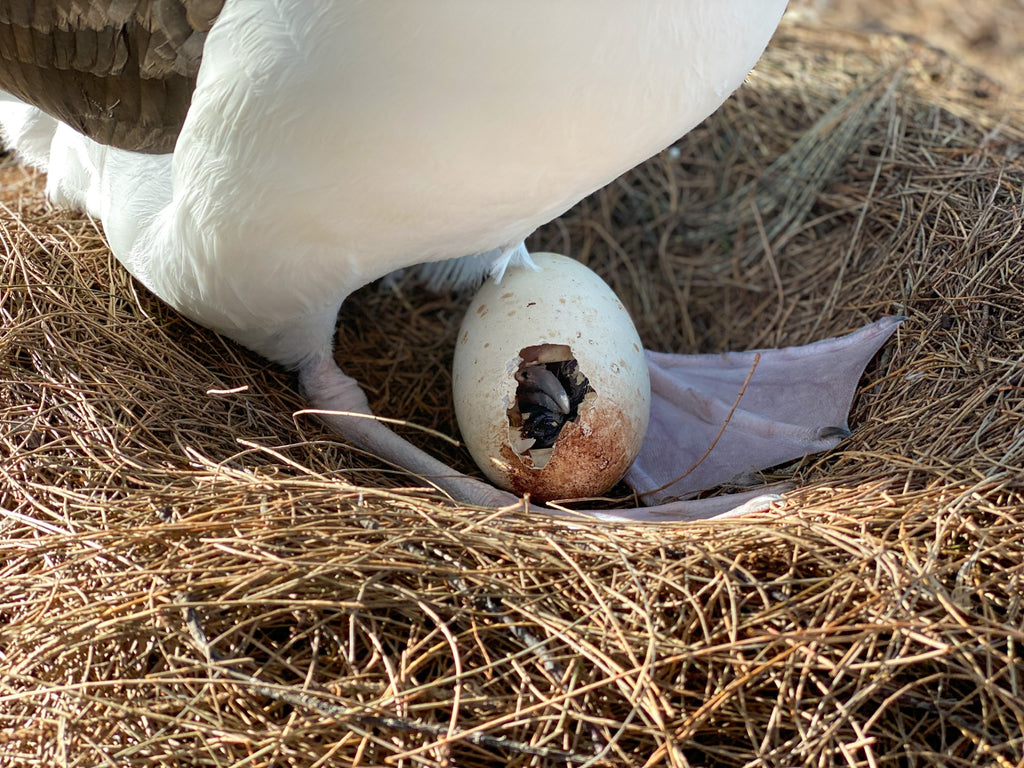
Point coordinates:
[[254, 162]]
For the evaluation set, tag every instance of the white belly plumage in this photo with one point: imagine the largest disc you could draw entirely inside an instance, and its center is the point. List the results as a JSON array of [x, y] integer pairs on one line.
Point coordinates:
[[330, 143]]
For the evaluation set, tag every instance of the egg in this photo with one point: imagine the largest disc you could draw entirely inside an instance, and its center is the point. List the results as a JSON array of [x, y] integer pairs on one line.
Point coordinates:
[[551, 388]]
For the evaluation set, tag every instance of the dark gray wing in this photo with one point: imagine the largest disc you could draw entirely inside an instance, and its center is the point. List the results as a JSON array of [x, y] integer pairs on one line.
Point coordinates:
[[120, 71]]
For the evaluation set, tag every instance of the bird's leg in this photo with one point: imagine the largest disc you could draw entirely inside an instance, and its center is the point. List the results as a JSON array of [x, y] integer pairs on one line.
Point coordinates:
[[342, 405], [788, 403]]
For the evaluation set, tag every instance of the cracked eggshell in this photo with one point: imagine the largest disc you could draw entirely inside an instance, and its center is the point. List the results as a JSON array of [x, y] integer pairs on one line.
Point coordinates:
[[564, 304]]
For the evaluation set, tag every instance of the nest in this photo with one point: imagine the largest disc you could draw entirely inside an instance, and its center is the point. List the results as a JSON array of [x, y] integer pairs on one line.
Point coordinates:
[[191, 575]]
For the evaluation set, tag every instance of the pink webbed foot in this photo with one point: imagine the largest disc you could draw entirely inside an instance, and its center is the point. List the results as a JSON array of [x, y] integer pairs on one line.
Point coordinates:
[[720, 418]]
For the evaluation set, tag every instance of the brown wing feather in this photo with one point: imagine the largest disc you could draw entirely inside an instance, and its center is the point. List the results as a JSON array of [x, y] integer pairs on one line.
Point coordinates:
[[121, 71]]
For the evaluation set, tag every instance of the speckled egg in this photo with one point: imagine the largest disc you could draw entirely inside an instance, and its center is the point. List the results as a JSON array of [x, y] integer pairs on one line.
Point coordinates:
[[551, 387]]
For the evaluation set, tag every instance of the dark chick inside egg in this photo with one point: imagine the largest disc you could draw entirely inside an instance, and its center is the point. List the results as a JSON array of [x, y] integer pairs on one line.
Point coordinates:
[[550, 390]]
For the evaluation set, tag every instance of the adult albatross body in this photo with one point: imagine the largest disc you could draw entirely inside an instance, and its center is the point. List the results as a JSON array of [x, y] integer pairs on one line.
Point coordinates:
[[255, 161]]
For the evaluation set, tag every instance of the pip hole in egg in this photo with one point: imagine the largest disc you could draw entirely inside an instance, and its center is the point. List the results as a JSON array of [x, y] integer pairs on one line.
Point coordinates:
[[550, 391]]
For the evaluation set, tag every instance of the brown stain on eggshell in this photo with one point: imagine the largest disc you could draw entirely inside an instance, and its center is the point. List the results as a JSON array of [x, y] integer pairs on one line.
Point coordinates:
[[590, 456]]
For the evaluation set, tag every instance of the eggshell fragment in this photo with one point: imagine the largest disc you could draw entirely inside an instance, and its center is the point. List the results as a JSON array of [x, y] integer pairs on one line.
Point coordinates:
[[561, 322]]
